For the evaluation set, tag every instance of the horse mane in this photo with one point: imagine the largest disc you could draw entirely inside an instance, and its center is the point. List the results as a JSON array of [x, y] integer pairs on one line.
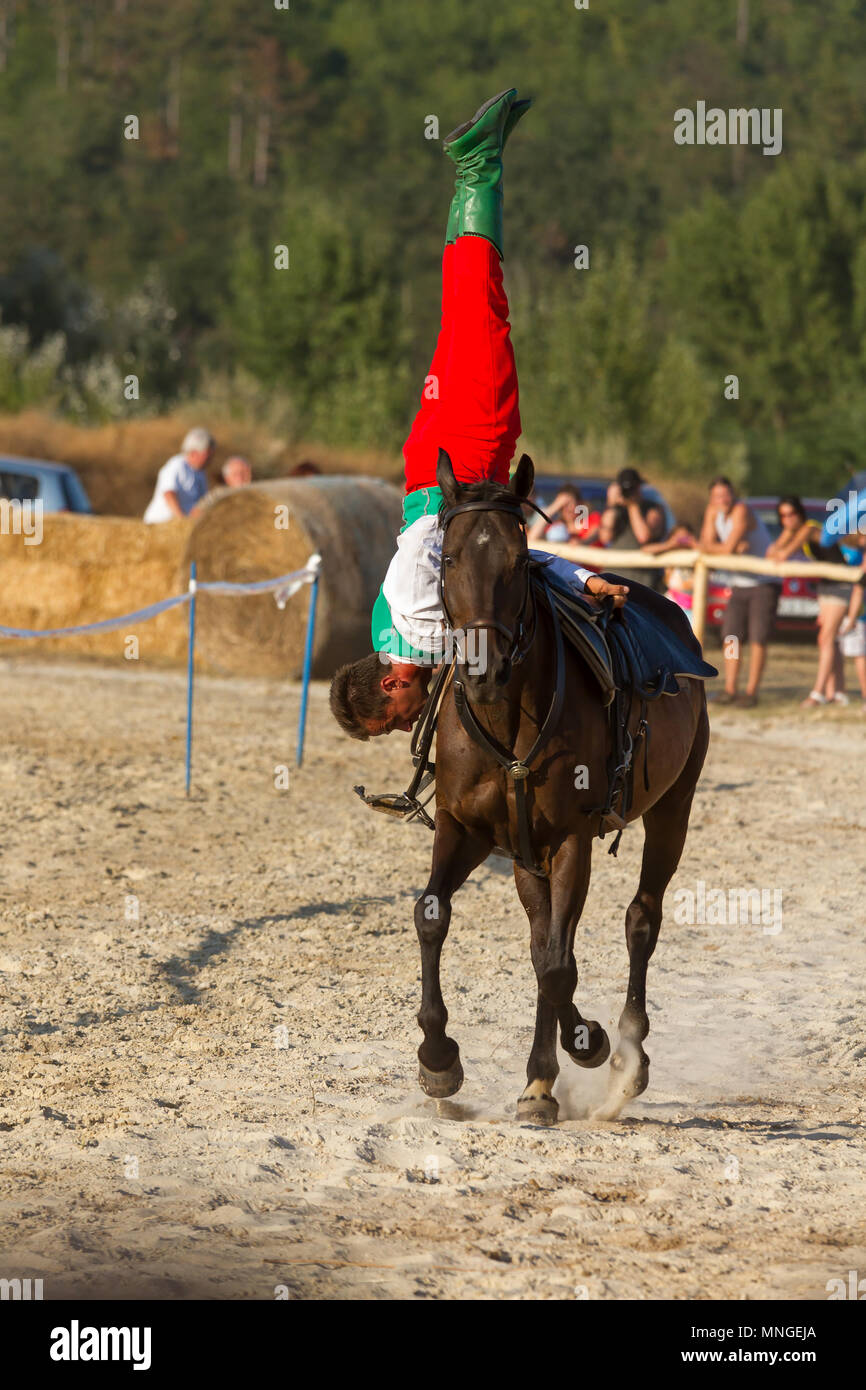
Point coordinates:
[[486, 491]]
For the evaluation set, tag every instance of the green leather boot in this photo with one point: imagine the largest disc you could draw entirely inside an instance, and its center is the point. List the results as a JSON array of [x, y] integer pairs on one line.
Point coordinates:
[[476, 148]]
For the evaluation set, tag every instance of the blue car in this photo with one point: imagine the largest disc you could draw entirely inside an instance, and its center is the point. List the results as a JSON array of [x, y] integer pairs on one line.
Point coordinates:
[[56, 485]]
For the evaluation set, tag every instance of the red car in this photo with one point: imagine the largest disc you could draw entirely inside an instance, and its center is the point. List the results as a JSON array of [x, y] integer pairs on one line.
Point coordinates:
[[798, 604]]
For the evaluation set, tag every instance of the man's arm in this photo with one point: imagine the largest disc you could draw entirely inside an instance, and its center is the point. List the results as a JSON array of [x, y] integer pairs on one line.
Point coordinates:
[[584, 580], [171, 501]]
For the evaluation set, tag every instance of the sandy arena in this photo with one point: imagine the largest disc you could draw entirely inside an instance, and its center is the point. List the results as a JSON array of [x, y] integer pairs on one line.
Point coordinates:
[[219, 1098]]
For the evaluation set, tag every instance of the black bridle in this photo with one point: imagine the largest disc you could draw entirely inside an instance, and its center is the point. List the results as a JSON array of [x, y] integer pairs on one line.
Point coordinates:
[[520, 640]]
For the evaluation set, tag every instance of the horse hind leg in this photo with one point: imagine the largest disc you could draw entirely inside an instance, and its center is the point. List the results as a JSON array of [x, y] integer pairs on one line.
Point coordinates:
[[666, 824]]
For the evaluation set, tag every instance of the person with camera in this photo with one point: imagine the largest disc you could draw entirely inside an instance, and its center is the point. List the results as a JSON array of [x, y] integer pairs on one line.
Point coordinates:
[[644, 527]]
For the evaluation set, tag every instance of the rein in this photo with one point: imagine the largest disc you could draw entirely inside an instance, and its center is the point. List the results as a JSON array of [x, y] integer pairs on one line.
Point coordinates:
[[407, 804]]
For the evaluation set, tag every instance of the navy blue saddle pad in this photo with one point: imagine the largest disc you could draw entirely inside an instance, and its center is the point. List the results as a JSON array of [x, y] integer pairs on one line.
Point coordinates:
[[648, 643]]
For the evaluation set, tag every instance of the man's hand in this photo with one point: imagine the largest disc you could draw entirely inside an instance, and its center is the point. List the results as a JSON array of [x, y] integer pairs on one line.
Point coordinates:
[[599, 588]]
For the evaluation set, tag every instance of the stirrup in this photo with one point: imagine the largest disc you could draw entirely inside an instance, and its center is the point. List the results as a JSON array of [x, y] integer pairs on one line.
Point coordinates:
[[399, 804]]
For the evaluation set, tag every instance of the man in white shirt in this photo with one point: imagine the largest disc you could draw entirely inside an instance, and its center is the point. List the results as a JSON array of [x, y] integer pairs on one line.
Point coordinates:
[[182, 482]]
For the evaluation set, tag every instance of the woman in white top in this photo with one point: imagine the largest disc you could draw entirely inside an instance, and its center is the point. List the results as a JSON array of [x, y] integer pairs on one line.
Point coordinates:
[[730, 527]]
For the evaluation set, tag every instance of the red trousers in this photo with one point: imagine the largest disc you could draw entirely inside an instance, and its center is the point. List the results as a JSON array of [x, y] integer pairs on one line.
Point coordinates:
[[469, 406]]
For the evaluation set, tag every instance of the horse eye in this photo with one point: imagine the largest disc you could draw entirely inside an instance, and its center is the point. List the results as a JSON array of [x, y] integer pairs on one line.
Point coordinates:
[[448, 559]]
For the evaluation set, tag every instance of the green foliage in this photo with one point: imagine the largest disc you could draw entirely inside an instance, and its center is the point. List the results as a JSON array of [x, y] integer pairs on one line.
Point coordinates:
[[305, 127]]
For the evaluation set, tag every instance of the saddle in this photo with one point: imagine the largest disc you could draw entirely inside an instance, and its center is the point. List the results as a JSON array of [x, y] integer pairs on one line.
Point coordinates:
[[635, 653]]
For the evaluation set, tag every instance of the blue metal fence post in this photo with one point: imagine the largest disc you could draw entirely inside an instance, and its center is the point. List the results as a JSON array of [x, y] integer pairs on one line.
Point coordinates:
[[315, 562], [189, 673]]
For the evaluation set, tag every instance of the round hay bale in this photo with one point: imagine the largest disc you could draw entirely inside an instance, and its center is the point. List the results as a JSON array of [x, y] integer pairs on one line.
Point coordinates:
[[86, 568], [271, 528]]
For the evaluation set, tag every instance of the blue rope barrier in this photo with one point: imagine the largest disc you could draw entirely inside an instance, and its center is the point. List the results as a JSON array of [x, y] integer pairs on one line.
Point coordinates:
[[282, 588], [284, 583]]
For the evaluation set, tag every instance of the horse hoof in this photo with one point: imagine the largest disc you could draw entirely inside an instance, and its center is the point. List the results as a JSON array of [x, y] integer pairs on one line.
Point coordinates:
[[440, 1084], [597, 1050], [537, 1110], [633, 1073]]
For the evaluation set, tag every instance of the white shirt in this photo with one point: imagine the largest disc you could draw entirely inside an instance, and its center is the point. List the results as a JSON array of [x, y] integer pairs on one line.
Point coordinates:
[[190, 485], [411, 584], [757, 540]]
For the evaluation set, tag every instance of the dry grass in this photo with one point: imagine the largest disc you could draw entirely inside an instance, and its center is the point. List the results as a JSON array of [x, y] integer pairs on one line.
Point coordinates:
[[118, 463]]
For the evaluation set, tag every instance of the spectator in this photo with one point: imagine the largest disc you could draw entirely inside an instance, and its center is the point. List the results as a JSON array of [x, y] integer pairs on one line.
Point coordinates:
[[181, 483], [794, 535], [834, 604], [612, 523], [305, 469], [570, 519], [852, 636], [679, 586], [236, 472], [793, 528], [730, 527], [644, 523]]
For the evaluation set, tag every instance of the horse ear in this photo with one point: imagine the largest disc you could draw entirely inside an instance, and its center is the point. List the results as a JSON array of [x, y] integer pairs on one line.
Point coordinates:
[[524, 477], [445, 478]]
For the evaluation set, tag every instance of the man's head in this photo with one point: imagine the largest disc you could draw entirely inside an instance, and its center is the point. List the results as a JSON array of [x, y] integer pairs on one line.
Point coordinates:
[[198, 446], [722, 495], [374, 696], [236, 472]]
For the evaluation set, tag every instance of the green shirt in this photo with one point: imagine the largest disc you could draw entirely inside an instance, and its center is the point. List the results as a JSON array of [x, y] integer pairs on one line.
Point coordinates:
[[424, 501]]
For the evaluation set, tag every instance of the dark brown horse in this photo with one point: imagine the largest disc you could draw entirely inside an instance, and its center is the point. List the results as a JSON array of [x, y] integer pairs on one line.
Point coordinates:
[[485, 585]]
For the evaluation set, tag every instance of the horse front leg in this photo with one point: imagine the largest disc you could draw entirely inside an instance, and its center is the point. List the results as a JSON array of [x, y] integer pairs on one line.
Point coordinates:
[[537, 1104], [456, 852], [554, 907]]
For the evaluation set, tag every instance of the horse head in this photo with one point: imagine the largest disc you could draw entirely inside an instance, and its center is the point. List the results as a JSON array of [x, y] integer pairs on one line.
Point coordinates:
[[485, 575]]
